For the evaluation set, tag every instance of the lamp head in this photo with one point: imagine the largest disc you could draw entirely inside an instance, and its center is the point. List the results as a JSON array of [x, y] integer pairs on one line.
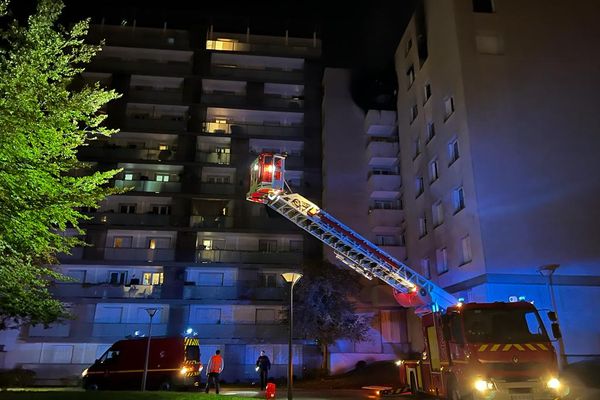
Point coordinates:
[[151, 311], [291, 277], [548, 270]]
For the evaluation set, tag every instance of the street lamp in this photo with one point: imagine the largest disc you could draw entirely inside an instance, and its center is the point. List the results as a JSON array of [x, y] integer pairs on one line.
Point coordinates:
[[291, 278], [151, 312], [548, 271]]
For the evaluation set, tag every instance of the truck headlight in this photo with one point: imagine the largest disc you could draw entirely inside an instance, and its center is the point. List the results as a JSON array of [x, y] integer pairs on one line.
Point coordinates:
[[84, 373], [183, 370], [553, 384], [481, 385]]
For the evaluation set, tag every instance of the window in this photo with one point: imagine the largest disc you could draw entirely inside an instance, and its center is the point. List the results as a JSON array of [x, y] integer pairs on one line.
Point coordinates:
[[162, 178], [217, 179], [458, 197], [410, 75], [442, 260], [267, 245], [408, 47], [448, 107], [419, 186], [425, 265], [296, 246], [265, 315], [453, 151], [385, 205], [385, 240], [433, 171], [414, 111], [213, 244], [483, 6], [267, 279], [466, 250], [163, 146], [159, 243], [152, 278], [427, 92], [128, 176], [416, 147], [438, 213], [430, 131], [422, 226], [127, 208], [210, 279], [117, 277], [489, 44], [122, 242], [161, 209], [402, 239]]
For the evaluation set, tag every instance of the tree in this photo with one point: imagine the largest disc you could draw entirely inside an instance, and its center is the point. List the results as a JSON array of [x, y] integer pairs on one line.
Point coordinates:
[[324, 309], [42, 184]]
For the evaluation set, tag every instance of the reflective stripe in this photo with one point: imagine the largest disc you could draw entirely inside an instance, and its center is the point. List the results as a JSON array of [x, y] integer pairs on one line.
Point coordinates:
[[483, 347], [530, 347], [216, 363], [495, 347], [541, 346], [519, 347], [507, 347]]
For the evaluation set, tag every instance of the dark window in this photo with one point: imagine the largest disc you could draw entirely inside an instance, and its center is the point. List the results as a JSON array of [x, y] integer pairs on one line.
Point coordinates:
[[504, 325], [483, 6]]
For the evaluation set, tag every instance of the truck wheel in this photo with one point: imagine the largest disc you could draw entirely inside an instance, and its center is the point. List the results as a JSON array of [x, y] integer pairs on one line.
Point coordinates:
[[92, 387], [165, 386]]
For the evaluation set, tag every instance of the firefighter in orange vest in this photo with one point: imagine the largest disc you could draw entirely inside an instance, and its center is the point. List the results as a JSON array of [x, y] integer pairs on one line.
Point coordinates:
[[213, 369]]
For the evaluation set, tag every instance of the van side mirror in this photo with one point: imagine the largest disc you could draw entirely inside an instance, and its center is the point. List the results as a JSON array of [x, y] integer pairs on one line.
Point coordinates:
[[552, 316], [556, 330]]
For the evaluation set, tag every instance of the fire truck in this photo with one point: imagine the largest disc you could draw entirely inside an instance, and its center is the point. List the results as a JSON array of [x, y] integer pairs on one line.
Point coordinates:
[[498, 350]]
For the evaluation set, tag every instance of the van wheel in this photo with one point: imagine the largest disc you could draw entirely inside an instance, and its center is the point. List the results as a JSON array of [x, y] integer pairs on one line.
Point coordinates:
[[92, 387], [165, 386]]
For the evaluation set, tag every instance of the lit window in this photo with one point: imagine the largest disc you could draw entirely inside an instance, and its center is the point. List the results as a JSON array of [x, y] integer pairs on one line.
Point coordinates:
[[122, 242], [410, 75], [433, 171], [453, 151], [422, 226], [152, 278], [128, 176], [438, 213], [483, 6], [458, 197], [442, 260], [427, 92], [466, 250], [159, 243], [419, 186], [448, 107], [430, 131], [163, 147], [162, 178], [425, 267]]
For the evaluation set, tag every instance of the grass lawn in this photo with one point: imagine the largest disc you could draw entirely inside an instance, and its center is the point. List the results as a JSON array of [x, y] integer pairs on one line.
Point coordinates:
[[62, 394]]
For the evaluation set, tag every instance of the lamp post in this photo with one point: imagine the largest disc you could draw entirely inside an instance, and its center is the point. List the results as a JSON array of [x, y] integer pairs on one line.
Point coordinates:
[[291, 278], [151, 312], [548, 271]]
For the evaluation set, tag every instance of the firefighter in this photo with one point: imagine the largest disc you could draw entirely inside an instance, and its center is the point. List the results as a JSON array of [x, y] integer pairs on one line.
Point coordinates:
[[263, 364], [213, 369]]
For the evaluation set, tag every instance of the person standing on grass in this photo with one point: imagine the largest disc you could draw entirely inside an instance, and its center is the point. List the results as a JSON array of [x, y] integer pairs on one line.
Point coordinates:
[[213, 369], [263, 365]]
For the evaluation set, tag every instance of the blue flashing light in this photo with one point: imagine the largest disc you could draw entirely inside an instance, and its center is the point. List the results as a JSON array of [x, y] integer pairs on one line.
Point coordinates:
[[461, 299], [521, 298], [136, 333], [189, 331]]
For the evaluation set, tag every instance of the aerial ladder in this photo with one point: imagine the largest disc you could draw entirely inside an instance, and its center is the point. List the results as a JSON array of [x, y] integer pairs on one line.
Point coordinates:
[[268, 186]]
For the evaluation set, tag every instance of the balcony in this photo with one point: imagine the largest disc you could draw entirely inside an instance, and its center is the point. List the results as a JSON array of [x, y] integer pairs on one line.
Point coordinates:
[[294, 162], [384, 183], [381, 123], [254, 130], [283, 102], [383, 152], [122, 153], [155, 96], [111, 218], [304, 47], [248, 73], [118, 330], [173, 124], [217, 188], [148, 66], [398, 252], [209, 221], [213, 158], [229, 99], [239, 331], [119, 35], [137, 254], [246, 290], [248, 256], [149, 186], [105, 291], [385, 217]]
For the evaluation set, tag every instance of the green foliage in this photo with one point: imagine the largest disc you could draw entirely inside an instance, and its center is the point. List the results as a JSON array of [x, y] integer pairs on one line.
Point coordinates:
[[42, 123], [323, 309]]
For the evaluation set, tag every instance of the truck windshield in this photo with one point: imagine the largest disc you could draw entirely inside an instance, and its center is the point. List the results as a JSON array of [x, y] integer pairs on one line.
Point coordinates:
[[192, 353], [503, 325]]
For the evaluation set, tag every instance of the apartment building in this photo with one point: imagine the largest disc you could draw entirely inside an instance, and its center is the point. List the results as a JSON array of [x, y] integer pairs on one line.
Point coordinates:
[[498, 149], [362, 188], [198, 105]]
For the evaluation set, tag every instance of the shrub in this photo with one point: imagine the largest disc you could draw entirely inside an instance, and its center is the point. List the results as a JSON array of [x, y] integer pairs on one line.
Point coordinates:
[[17, 377]]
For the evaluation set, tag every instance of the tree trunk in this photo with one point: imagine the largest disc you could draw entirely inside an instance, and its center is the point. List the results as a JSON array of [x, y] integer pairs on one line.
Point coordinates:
[[325, 359]]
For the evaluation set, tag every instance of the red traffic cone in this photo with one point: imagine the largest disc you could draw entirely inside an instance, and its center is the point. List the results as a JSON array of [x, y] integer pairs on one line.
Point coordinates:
[[270, 391]]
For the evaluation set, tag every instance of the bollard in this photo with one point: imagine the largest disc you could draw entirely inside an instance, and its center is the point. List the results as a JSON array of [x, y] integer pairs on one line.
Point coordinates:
[[270, 391]]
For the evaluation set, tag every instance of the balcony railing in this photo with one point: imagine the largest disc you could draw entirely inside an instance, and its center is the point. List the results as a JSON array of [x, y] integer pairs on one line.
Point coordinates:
[[110, 218], [217, 188], [297, 49], [149, 186], [247, 256], [210, 221], [105, 291], [155, 96], [239, 331], [118, 330], [156, 124], [144, 67], [385, 217], [381, 149], [122, 153], [136, 254], [213, 158], [245, 290], [268, 75], [253, 129], [384, 182]]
